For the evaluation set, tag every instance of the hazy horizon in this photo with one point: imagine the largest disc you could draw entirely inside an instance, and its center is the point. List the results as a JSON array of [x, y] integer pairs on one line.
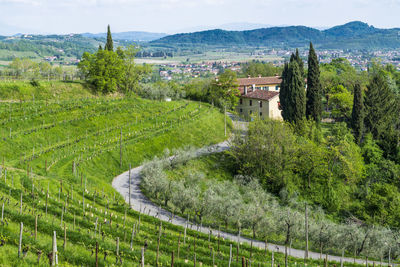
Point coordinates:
[[172, 16]]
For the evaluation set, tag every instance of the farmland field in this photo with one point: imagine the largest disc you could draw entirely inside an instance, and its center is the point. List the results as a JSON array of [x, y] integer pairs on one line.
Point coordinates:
[[58, 158]]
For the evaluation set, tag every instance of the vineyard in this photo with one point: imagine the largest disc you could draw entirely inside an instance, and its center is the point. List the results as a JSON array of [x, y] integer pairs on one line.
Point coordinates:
[[57, 204]]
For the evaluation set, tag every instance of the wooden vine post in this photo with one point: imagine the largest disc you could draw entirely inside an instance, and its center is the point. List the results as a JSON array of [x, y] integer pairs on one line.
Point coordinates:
[[97, 254], [142, 260], [179, 243], [2, 213], [65, 237], [129, 181], [117, 249], [306, 232], [230, 255], [133, 233], [20, 240], [120, 150], [36, 219], [54, 260], [272, 259], [172, 259], [158, 244]]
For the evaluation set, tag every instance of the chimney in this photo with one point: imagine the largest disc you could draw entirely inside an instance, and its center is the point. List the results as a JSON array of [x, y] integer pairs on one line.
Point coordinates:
[[248, 76], [259, 75], [245, 90]]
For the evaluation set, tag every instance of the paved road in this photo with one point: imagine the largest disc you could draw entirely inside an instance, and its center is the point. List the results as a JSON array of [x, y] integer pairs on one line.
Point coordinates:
[[140, 202]]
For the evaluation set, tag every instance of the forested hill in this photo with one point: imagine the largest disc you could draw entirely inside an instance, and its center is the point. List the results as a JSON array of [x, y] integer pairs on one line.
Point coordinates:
[[129, 36], [353, 35]]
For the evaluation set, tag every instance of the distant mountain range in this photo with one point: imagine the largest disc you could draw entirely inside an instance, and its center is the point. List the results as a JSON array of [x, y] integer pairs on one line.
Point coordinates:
[[128, 36], [353, 35]]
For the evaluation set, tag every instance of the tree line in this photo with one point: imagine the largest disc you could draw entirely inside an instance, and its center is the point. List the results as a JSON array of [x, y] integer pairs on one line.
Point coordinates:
[[373, 110], [242, 206]]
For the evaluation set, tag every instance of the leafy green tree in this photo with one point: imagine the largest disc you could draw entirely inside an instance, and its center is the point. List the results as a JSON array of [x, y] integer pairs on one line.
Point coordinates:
[[224, 90], [382, 109], [294, 95], [314, 88], [109, 44], [256, 68], [103, 70], [340, 103], [278, 154], [357, 115], [132, 72], [45, 69]]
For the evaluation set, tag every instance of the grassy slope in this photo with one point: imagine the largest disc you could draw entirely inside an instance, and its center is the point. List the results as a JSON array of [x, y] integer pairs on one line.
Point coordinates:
[[21, 90]]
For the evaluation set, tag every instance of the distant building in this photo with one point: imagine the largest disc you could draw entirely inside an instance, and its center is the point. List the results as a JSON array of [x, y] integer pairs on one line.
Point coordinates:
[[259, 97]]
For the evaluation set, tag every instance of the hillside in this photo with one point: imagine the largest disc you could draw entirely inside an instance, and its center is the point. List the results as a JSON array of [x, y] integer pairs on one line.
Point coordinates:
[[129, 36], [353, 35], [54, 178]]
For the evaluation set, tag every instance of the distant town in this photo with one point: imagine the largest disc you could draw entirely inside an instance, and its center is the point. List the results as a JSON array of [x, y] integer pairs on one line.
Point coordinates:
[[358, 59]]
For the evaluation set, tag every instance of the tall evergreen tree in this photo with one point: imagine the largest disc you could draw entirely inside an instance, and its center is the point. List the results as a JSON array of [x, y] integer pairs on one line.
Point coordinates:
[[314, 88], [284, 90], [380, 106], [100, 48], [382, 118], [296, 57], [109, 44], [294, 97], [357, 115]]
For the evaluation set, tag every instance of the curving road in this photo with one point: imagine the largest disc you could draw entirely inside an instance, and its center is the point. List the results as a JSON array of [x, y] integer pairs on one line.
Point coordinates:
[[141, 203]]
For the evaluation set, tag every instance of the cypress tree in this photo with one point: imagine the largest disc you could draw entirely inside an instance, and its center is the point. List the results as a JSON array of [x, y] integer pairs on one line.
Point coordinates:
[[294, 94], [100, 48], [109, 44], [283, 91], [357, 115], [314, 88], [296, 57]]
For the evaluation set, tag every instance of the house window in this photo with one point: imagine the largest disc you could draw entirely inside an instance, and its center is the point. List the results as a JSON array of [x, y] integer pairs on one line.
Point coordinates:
[[241, 101], [241, 110], [251, 102], [277, 88], [260, 114], [260, 104]]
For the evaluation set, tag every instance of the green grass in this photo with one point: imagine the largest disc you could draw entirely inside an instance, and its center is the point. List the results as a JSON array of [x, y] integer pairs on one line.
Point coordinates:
[[56, 90]]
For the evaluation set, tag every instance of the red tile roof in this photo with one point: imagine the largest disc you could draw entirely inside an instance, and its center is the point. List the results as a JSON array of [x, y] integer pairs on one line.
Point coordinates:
[[259, 81], [261, 94]]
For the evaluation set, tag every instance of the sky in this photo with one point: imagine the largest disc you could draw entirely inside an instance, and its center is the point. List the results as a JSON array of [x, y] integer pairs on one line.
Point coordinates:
[[171, 16]]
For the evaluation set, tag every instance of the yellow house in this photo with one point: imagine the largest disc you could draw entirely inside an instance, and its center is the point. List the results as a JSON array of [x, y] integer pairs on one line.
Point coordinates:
[[259, 97]]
